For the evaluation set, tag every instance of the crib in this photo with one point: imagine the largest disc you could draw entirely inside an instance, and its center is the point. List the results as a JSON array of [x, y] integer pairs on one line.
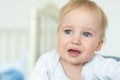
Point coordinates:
[[13, 49], [20, 48]]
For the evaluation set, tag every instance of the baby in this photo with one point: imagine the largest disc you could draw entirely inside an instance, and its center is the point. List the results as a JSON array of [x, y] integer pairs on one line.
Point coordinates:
[[81, 33]]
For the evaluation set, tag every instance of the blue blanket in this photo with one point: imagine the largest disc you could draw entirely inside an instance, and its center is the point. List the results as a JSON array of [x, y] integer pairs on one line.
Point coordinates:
[[11, 74]]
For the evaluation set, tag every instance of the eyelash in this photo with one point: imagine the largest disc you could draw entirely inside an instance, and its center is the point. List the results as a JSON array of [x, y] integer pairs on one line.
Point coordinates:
[[87, 34], [68, 31]]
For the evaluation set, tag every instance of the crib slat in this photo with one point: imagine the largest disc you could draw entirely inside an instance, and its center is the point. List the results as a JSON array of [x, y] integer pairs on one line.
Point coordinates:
[[10, 41]]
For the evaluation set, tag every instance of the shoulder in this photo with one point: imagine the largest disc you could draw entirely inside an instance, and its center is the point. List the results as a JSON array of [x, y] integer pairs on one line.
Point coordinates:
[[49, 56], [45, 65], [106, 67], [105, 63], [49, 59]]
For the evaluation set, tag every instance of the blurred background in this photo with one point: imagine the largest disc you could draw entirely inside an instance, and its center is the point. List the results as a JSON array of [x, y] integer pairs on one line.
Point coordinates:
[[28, 28]]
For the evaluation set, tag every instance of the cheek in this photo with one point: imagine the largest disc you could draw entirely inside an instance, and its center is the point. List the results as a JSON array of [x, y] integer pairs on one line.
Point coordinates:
[[60, 41], [91, 47], [89, 50], [63, 41]]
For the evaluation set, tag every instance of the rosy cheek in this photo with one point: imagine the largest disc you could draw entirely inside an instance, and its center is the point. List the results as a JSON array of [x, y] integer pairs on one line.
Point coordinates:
[[66, 40], [63, 39], [91, 49]]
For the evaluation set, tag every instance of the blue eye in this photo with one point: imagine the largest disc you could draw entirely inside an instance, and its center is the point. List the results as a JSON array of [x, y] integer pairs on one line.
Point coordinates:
[[68, 32], [87, 34]]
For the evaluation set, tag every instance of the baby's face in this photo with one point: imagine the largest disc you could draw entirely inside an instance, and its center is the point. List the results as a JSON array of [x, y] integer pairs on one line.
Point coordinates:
[[79, 36]]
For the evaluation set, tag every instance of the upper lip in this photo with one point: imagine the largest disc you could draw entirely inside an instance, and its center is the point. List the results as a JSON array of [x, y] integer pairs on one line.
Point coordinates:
[[75, 50]]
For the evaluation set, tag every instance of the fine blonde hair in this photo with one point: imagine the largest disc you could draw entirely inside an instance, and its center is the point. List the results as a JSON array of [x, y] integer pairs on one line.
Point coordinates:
[[89, 5]]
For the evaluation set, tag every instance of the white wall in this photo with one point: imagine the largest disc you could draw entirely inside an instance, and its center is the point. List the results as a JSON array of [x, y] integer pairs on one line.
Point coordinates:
[[112, 43], [17, 13]]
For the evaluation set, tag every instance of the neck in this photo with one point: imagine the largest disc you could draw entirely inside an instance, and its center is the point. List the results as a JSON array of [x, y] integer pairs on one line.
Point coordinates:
[[73, 71]]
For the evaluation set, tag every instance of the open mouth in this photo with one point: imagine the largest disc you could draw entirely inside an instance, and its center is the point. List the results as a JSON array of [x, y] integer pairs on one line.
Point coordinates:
[[73, 52]]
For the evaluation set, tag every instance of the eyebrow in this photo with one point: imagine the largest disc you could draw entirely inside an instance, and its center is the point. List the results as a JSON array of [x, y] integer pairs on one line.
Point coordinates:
[[65, 26], [90, 29]]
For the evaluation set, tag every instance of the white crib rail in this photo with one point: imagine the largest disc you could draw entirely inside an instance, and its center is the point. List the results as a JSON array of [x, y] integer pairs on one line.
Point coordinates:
[[13, 45], [22, 44], [43, 31]]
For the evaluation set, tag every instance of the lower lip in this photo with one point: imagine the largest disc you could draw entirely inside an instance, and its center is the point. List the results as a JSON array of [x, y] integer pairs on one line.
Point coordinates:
[[73, 54]]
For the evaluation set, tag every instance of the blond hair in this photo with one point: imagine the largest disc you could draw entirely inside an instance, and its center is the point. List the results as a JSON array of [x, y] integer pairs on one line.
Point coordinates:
[[89, 5]]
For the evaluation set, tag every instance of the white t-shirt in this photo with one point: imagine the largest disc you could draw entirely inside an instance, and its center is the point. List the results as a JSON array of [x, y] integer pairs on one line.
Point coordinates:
[[48, 67]]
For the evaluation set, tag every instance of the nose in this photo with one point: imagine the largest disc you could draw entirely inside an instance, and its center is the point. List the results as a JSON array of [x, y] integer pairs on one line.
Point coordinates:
[[76, 39]]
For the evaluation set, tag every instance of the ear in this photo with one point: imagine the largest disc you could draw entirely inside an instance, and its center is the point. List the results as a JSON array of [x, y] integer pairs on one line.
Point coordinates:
[[100, 43]]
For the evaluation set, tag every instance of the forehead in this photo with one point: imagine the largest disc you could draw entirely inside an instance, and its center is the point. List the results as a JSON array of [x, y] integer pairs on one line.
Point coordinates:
[[81, 16]]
